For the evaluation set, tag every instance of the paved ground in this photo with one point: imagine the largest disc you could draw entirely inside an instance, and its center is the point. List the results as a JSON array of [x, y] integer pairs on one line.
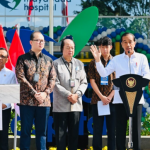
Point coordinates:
[[145, 142]]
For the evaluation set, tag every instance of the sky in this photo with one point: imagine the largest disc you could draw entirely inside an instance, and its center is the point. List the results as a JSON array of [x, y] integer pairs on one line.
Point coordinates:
[[42, 8]]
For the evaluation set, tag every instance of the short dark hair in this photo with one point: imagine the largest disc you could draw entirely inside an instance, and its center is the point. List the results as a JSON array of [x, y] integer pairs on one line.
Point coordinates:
[[99, 42], [106, 41], [127, 34], [63, 43], [32, 35], [2, 48]]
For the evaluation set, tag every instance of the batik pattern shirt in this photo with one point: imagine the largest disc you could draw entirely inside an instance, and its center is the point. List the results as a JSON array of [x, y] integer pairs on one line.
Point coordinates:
[[27, 66]]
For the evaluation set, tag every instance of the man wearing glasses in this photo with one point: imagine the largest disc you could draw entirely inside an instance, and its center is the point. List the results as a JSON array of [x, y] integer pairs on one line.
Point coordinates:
[[36, 74], [71, 84], [6, 77]]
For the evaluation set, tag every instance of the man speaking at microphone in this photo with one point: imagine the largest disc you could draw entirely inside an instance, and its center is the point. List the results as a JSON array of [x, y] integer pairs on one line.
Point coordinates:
[[125, 63]]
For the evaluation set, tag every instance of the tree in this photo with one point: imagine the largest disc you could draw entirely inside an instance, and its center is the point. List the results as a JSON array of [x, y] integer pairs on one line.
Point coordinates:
[[122, 8], [118, 7]]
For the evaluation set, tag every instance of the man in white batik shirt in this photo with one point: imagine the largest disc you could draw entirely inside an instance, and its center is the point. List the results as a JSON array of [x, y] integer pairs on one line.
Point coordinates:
[[6, 77]]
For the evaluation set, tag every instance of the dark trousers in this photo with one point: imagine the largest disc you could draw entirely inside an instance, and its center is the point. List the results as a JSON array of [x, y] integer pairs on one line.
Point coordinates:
[[121, 125], [4, 133], [27, 114], [62, 121], [98, 128]]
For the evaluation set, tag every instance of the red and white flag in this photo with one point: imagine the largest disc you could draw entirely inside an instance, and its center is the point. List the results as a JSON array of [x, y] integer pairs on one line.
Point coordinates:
[[30, 9], [65, 21], [16, 49], [4, 45]]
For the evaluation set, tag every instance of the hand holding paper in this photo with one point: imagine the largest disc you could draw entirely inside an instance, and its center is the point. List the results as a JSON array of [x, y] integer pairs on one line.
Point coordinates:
[[105, 100], [103, 109]]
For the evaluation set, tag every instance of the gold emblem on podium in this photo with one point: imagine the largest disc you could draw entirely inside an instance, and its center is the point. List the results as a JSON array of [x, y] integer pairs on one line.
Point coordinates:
[[131, 82]]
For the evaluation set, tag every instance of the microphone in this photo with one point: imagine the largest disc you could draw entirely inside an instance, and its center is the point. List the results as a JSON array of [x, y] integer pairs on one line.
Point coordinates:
[[129, 62]]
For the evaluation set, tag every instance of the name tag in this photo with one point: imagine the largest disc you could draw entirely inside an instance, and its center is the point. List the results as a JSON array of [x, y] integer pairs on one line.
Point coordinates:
[[72, 83], [104, 80], [36, 77]]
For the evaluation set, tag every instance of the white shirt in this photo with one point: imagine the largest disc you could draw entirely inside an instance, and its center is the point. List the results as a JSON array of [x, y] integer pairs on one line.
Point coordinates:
[[120, 64], [7, 77]]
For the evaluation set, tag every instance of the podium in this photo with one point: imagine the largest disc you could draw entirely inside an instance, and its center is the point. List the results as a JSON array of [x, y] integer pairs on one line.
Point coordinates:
[[10, 93], [130, 90]]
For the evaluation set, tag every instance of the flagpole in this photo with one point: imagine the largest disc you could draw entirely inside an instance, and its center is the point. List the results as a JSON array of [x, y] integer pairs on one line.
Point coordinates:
[[51, 26], [65, 14], [15, 131], [15, 126]]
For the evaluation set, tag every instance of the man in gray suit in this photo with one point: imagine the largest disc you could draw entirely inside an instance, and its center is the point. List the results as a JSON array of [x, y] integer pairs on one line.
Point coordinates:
[[71, 84]]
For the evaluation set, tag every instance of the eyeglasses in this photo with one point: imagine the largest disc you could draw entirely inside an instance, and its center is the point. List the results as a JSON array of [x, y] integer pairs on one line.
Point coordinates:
[[1, 56], [39, 41]]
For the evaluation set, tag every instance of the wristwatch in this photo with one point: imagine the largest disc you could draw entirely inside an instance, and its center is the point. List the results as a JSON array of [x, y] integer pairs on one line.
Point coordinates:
[[79, 94]]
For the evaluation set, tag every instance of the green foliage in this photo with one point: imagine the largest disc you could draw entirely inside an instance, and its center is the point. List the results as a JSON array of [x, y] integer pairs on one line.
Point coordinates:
[[121, 8], [146, 125], [115, 7], [127, 130], [18, 123]]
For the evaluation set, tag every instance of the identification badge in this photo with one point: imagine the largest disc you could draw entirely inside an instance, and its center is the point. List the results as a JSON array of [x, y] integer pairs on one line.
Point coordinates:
[[104, 80], [36, 77], [72, 82]]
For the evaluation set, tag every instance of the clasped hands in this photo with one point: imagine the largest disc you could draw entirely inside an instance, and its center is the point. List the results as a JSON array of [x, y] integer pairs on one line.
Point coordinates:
[[106, 100], [40, 97], [73, 98]]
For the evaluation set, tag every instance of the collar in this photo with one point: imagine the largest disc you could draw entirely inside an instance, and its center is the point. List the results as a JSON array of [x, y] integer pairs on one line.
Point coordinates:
[[33, 53], [109, 58], [4, 69], [67, 61], [132, 56]]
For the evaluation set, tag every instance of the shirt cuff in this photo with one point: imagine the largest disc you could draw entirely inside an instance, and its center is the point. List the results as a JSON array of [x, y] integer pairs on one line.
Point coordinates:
[[79, 93], [98, 63], [8, 105], [33, 92]]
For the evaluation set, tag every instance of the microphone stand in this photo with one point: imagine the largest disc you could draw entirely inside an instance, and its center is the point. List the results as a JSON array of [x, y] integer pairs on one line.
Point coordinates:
[[129, 62], [130, 143]]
